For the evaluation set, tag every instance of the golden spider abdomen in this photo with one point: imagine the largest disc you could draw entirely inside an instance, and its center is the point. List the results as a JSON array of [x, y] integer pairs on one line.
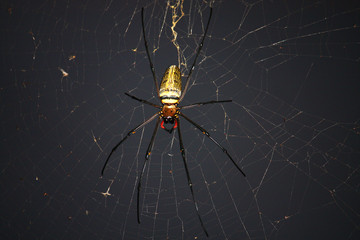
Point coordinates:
[[170, 86]]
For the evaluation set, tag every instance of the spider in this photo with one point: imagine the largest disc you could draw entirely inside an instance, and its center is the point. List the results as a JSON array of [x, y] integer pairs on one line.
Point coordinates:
[[170, 96]]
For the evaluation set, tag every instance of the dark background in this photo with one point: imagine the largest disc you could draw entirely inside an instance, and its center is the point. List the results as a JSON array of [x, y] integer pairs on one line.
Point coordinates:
[[291, 68]]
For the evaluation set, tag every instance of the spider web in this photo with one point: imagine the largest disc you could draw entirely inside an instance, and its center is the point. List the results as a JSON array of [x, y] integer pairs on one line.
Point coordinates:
[[291, 69]]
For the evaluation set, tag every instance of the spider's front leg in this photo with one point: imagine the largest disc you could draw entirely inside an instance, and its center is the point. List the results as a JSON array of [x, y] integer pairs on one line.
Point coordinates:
[[147, 155], [131, 132], [182, 150]]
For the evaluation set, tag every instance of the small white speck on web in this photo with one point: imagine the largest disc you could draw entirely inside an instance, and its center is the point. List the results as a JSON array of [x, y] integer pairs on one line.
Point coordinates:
[[64, 73]]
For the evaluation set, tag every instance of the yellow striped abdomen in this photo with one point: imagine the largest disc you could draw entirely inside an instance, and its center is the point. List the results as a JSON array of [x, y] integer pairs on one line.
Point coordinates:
[[170, 86]]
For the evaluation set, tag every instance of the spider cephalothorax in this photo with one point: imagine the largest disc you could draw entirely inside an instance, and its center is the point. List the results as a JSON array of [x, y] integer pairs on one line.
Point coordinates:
[[170, 94], [169, 115], [169, 111]]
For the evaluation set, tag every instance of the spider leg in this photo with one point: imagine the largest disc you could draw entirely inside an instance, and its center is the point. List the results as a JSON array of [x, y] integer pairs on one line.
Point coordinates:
[[182, 150], [142, 100], [127, 135], [203, 103], [214, 141], [147, 155], [148, 54], [196, 56]]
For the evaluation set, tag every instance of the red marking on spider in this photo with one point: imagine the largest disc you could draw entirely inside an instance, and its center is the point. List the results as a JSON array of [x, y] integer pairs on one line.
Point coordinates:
[[162, 124]]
